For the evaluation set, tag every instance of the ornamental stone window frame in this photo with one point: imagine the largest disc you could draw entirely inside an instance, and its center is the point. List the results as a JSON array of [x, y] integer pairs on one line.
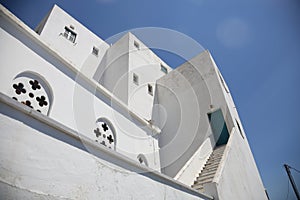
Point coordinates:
[[98, 132], [36, 90]]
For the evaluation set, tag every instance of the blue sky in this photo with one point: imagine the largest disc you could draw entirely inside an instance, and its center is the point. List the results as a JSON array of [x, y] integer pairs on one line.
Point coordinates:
[[256, 45]]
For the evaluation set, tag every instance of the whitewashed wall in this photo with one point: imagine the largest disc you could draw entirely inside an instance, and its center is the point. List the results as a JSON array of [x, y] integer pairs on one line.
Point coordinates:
[[186, 95], [74, 104], [41, 159], [238, 176], [121, 61], [147, 66], [77, 52]]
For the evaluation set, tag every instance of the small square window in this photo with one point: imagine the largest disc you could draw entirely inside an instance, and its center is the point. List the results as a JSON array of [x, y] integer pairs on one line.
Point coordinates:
[[95, 51], [69, 34], [136, 79], [150, 89], [136, 44], [163, 69]]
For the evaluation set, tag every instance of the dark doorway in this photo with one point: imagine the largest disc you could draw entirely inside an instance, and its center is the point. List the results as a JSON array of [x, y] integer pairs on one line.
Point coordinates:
[[218, 126]]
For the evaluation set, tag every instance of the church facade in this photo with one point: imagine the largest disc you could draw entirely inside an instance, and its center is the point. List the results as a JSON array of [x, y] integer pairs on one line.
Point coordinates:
[[83, 119]]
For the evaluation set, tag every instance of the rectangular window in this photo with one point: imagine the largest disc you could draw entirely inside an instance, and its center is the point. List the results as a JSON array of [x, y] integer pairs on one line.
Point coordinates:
[[163, 69], [135, 79], [95, 51], [150, 89], [136, 44], [69, 34]]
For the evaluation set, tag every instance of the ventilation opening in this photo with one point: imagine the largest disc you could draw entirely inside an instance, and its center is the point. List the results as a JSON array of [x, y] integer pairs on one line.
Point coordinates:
[[95, 51], [104, 133], [31, 90], [150, 89], [142, 159], [163, 69], [136, 45], [135, 79]]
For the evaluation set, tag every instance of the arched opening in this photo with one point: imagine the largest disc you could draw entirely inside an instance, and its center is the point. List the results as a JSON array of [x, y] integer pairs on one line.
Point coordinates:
[[32, 90], [105, 133], [142, 159]]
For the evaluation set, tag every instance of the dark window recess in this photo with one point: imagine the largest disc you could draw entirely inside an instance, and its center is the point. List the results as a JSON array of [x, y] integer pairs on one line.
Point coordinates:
[[135, 79], [136, 44], [141, 160], [163, 69], [150, 89], [69, 34], [95, 51]]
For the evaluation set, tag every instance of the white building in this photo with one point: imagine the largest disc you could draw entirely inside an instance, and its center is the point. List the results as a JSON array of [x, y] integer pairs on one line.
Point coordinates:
[[82, 119]]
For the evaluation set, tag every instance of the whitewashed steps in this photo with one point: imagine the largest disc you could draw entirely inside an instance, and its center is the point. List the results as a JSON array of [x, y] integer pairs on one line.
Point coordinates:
[[208, 172]]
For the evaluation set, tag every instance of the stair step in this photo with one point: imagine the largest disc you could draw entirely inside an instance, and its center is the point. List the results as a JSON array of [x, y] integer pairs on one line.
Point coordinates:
[[215, 158], [214, 161], [200, 181], [221, 147], [198, 187], [212, 164], [216, 155], [209, 169], [201, 185], [206, 181], [219, 150], [206, 174]]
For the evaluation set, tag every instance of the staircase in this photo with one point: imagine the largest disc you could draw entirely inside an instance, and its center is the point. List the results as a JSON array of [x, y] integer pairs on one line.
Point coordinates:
[[208, 172]]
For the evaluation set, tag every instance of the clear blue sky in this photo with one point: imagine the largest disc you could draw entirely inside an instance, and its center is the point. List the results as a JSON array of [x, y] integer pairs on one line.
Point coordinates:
[[256, 45]]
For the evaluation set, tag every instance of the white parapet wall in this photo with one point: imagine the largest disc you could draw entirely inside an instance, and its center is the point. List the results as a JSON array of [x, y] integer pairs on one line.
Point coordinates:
[[193, 167], [42, 159], [72, 97]]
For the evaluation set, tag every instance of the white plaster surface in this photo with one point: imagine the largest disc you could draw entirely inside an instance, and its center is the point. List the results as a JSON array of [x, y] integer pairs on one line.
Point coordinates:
[[74, 102], [188, 94], [238, 177], [40, 162], [195, 164], [79, 52]]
